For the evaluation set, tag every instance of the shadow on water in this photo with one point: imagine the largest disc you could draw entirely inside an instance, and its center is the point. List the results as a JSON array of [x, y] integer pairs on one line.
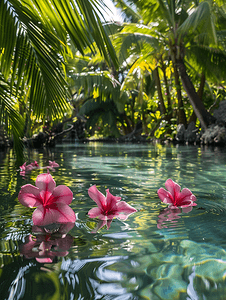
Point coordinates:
[[157, 253]]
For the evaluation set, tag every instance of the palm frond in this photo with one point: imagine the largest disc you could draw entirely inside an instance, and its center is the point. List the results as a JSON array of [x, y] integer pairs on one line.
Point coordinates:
[[212, 60], [10, 119], [103, 83], [130, 39], [201, 23], [130, 14]]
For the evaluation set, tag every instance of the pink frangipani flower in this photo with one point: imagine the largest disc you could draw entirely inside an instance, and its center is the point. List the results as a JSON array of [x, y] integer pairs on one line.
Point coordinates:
[[108, 207], [174, 197], [35, 165], [53, 164], [27, 168], [51, 202]]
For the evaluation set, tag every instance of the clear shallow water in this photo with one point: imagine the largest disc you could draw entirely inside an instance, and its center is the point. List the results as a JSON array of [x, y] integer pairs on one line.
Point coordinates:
[[154, 254]]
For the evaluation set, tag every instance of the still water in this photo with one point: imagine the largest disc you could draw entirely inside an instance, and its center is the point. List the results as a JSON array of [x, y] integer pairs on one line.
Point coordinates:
[[155, 254]]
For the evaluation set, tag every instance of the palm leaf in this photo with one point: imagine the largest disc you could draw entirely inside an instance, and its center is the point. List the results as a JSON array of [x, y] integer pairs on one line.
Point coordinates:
[[127, 10], [107, 85], [10, 117], [200, 22]]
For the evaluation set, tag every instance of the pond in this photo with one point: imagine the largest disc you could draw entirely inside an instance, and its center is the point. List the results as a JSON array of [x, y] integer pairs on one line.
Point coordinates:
[[154, 254]]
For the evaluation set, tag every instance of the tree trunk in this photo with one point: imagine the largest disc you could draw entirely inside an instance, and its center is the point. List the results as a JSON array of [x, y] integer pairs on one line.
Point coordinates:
[[200, 91], [124, 120], [159, 90], [169, 110], [181, 113], [202, 114]]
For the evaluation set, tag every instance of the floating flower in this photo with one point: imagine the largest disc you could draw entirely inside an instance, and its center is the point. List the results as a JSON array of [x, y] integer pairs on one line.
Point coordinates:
[[35, 165], [109, 206], [174, 197], [53, 164], [51, 202], [27, 168]]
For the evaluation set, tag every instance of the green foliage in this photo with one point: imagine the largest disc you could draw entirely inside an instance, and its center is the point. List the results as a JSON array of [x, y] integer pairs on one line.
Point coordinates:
[[33, 51], [102, 114]]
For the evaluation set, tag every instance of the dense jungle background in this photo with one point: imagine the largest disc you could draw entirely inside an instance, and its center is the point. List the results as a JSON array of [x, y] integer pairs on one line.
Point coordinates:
[[69, 71]]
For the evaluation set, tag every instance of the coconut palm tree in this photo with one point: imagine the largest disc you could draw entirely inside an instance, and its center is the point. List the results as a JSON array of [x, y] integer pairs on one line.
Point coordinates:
[[34, 47], [183, 27]]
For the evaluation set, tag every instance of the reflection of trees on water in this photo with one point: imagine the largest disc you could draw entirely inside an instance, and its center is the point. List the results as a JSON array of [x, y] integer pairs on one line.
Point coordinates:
[[70, 279], [82, 272]]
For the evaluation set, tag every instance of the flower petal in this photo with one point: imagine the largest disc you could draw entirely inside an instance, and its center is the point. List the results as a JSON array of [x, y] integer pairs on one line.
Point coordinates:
[[44, 260], [172, 187], [165, 196], [94, 212], [124, 207], [124, 210], [53, 164], [97, 196], [111, 201], [60, 213], [23, 167], [29, 167], [186, 195], [62, 194], [29, 196], [45, 182]]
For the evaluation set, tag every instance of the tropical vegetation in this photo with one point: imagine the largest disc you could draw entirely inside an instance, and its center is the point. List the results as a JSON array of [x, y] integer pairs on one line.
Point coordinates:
[[162, 66], [171, 68], [36, 42]]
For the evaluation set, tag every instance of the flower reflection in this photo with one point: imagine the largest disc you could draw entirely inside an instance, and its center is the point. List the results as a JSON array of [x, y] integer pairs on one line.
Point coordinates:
[[102, 223], [47, 242], [170, 215]]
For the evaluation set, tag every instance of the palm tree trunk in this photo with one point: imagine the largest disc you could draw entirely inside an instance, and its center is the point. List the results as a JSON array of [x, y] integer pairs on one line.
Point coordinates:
[[202, 114], [181, 112], [200, 91], [169, 110], [159, 90]]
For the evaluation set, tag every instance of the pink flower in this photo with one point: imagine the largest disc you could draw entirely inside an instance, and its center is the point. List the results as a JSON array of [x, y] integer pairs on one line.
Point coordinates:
[[51, 201], [53, 164], [35, 164], [109, 206], [174, 197], [25, 167]]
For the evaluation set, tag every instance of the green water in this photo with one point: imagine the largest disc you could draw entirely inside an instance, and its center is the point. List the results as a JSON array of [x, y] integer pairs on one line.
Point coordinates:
[[151, 255]]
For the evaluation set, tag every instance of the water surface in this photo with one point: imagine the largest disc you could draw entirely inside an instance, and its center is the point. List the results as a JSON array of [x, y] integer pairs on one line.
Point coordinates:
[[155, 254]]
